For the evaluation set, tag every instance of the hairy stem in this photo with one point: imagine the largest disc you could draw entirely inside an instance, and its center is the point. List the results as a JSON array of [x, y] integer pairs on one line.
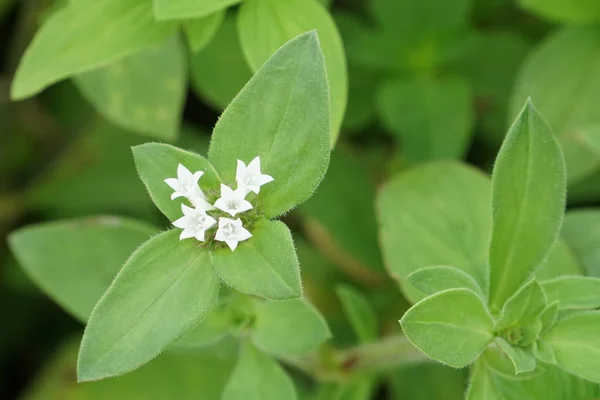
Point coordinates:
[[337, 365]]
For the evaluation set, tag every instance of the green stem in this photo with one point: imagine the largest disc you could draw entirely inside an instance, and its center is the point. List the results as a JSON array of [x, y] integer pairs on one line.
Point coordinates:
[[337, 365]]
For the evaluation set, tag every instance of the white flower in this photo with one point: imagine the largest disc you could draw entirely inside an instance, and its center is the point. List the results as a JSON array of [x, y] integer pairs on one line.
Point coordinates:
[[186, 185], [194, 223], [249, 177], [231, 232], [232, 201]]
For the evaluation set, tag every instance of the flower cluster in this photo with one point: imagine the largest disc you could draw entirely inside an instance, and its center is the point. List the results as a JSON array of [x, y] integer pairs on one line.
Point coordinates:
[[196, 220]]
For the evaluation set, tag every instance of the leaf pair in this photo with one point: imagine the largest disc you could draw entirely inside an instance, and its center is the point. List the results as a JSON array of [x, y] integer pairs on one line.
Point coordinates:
[[529, 166], [167, 286]]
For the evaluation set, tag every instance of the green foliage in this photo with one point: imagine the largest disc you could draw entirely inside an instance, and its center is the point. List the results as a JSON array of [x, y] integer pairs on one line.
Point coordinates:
[[580, 231], [75, 261], [457, 236], [264, 25], [68, 43], [524, 307], [576, 343], [257, 377], [578, 11], [219, 71], [143, 92], [164, 280], [574, 292], [439, 331], [184, 9], [431, 117], [264, 266], [529, 166], [522, 360], [359, 313], [352, 228], [171, 375], [156, 162], [292, 142], [562, 81], [200, 31], [432, 280], [289, 328]]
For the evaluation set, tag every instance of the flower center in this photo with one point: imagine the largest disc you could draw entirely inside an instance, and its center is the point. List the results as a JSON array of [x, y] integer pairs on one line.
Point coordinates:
[[229, 230]]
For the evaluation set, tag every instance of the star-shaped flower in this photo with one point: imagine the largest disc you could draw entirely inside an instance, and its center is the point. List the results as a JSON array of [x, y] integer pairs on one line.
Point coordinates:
[[249, 177], [194, 223], [186, 185], [231, 232], [232, 201]]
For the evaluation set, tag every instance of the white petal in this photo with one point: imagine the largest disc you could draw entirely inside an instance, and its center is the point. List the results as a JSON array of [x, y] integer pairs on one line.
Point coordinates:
[[188, 211], [254, 165], [200, 236], [226, 191], [252, 188], [219, 236], [198, 175], [223, 221], [243, 234], [244, 205], [186, 234], [173, 183], [232, 244], [264, 179], [184, 174], [221, 204], [210, 222], [240, 172], [182, 223], [176, 195], [201, 204]]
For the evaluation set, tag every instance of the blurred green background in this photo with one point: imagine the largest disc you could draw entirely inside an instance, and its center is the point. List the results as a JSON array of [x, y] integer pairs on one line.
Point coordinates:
[[427, 80]]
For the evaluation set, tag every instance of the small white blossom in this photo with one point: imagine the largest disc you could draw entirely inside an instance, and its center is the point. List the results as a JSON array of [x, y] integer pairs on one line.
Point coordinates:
[[249, 177], [194, 223], [232, 201], [231, 232], [186, 185]]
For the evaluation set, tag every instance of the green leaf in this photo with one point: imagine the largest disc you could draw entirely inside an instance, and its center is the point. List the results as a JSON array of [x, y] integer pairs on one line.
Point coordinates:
[[426, 16], [265, 265], [522, 360], [172, 375], [452, 327], [265, 25], [215, 327], [574, 11], [432, 280], [457, 234], [75, 261], [560, 261], [156, 162], [258, 377], [219, 71], [529, 167], [164, 290], [93, 175], [289, 328], [143, 92], [349, 235], [524, 307], [200, 31], [414, 382], [281, 115], [581, 232], [431, 118], [184, 9], [359, 313], [576, 343], [562, 78], [69, 41], [548, 317], [574, 292], [543, 352]]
